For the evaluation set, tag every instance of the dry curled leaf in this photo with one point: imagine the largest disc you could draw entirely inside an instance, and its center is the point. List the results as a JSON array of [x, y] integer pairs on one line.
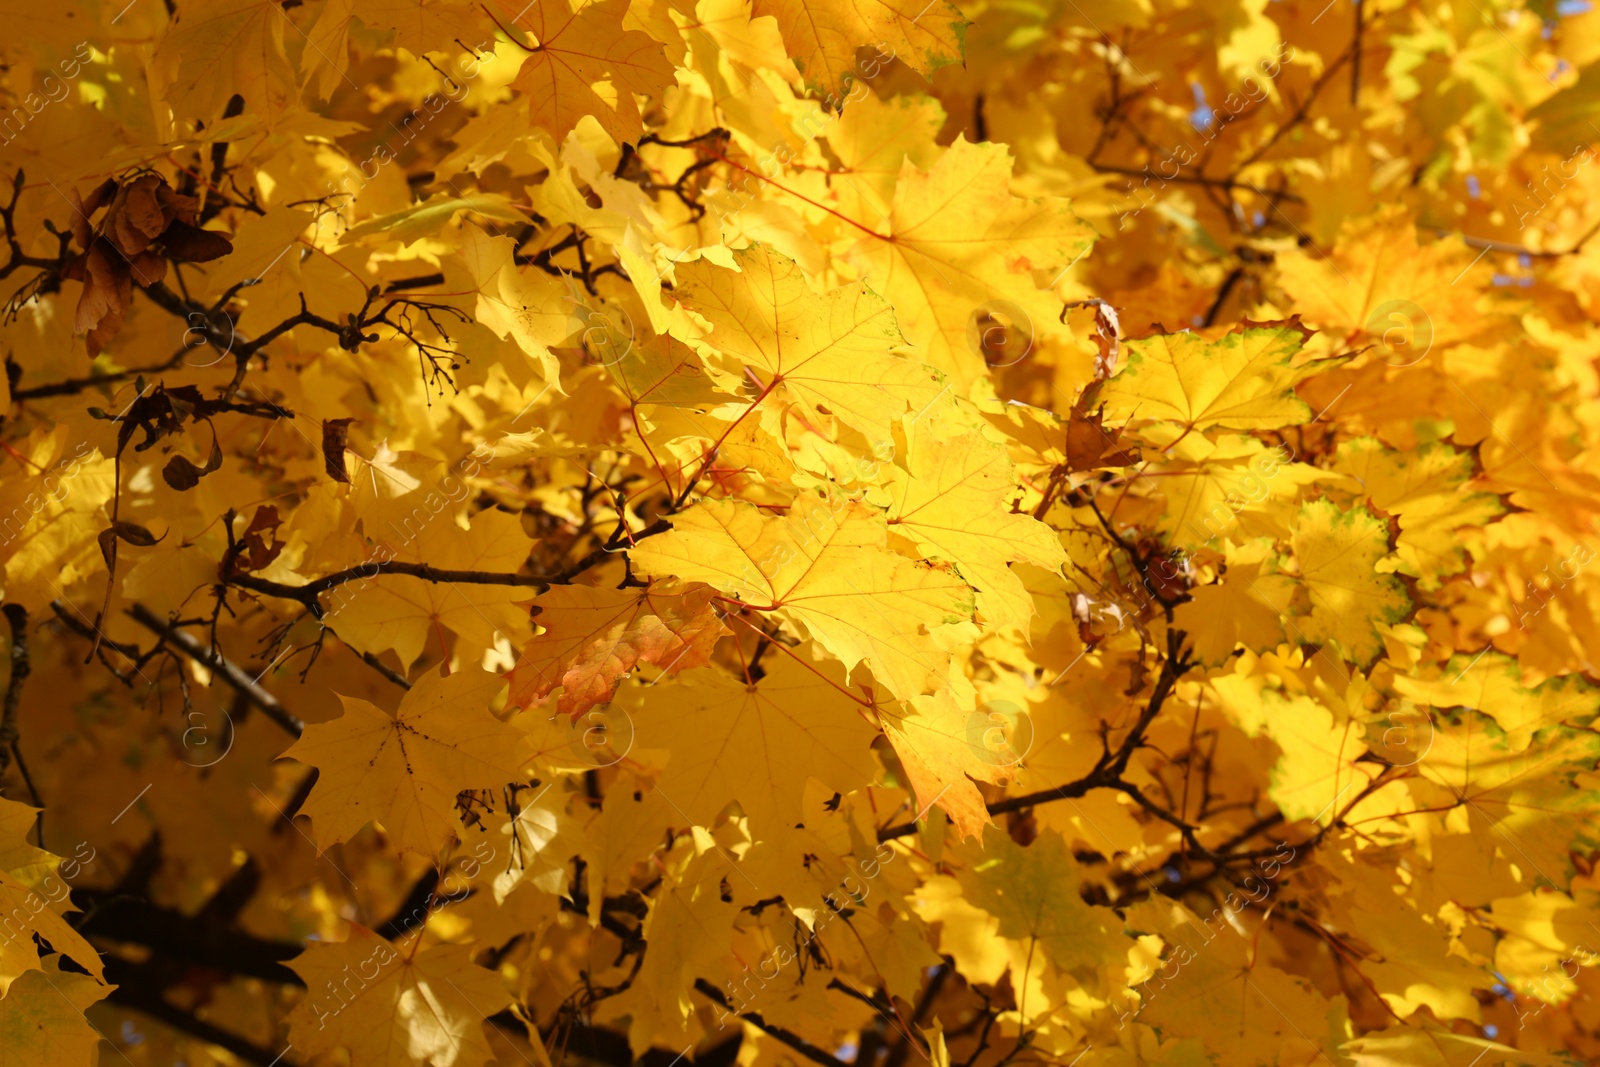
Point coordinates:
[[335, 435]]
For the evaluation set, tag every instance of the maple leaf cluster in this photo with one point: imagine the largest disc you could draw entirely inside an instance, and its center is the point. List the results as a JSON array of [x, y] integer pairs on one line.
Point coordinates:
[[777, 531]]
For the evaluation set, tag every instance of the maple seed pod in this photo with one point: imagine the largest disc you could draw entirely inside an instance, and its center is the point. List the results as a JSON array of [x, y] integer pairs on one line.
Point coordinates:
[[1000, 333], [1000, 733], [1402, 332]]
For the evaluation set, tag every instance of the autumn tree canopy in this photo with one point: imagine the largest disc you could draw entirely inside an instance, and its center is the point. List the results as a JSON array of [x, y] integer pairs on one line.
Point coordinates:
[[964, 532]]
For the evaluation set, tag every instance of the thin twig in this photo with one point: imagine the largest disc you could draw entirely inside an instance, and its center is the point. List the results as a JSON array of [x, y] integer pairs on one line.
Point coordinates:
[[17, 617], [777, 1033], [226, 669]]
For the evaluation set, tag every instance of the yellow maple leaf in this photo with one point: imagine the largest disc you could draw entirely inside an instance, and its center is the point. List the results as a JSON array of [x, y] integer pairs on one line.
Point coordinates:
[[956, 240], [217, 48], [32, 903], [403, 612], [420, 220], [873, 139], [394, 1007], [1381, 287], [1243, 380], [690, 928], [823, 35], [1034, 892], [953, 502], [1433, 1046], [1414, 966], [19, 953], [1427, 488], [1214, 987], [1245, 607], [1230, 489], [629, 825], [1318, 770], [50, 516], [939, 741], [661, 371], [967, 933], [756, 744], [24, 862], [404, 770], [582, 62], [419, 26], [924, 612], [832, 353], [1337, 553], [1536, 804], [677, 402], [1492, 684], [825, 564], [523, 304], [41, 1018]]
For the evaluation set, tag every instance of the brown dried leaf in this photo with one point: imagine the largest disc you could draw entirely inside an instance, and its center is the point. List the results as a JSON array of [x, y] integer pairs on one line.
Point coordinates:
[[335, 434]]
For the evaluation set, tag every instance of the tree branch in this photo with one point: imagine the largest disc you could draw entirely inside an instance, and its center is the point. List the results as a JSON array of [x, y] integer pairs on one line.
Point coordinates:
[[214, 661], [137, 989], [1199, 179], [777, 1033], [1166, 816], [17, 617], [309, 593], [1108, 770], [8, 224], [72, 386], [179, 944], [1300, 112], [117, 917]]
